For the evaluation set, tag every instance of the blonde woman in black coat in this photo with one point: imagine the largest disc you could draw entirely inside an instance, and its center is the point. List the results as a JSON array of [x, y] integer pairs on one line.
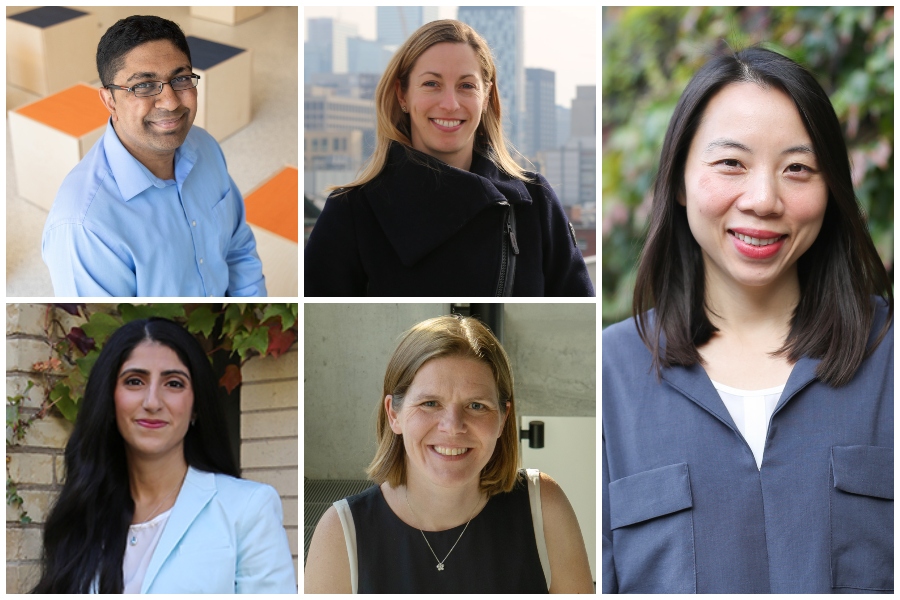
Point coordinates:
[[442, 208]]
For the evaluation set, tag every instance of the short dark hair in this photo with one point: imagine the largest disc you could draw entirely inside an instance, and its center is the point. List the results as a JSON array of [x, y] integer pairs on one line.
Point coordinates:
[[129, 33], [838, 274]]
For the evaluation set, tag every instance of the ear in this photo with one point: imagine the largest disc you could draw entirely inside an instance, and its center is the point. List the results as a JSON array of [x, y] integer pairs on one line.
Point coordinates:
[[109, 101], [393, 416], [503, 423], [400, 96], [487, 96], [682, 200]]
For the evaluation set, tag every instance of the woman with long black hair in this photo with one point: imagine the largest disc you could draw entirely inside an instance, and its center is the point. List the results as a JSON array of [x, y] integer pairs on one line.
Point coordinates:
[[748, 407], [152, 500]]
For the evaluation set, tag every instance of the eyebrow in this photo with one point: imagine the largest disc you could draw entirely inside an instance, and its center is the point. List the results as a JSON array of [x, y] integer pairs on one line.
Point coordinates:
[[148, 75], [146, 372], [435, 397], [432, 73], [728, 143]]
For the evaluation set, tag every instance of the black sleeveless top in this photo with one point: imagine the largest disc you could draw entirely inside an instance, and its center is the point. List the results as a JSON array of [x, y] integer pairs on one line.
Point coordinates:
[[497, 554]]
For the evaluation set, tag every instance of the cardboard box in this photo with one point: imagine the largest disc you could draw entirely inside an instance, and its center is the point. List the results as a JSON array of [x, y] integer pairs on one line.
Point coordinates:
[[273, 211], [229, 15], [225, 88], [51, 48], [49, 137]]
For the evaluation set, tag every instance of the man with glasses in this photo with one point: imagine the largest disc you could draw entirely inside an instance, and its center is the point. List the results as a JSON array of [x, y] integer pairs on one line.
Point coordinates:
[[150, 210]]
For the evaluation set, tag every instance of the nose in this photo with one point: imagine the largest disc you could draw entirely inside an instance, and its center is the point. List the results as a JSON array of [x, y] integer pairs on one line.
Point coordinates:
[[168, 99], [762, 196], [153, 398], [448, 100], [453, 420]]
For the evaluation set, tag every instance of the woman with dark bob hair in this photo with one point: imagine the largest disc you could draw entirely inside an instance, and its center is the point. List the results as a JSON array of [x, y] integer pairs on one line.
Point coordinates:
[[748, 407], [152, 501], [451, 512], [442, 208]]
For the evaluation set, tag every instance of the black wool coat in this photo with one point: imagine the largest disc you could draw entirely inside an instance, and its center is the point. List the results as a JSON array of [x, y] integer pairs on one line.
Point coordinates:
[[424, 228]]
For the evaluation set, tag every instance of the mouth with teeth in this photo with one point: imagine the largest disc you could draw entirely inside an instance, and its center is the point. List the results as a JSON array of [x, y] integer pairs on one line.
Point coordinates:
[[447, 451], [759, 246], [447, 124]]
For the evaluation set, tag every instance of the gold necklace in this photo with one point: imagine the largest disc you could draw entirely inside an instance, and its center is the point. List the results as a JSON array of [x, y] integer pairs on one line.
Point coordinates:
[[440, 564]]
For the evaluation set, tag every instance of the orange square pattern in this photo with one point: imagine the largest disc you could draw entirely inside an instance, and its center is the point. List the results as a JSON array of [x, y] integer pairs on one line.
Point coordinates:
[[75, 111], [275, 204]]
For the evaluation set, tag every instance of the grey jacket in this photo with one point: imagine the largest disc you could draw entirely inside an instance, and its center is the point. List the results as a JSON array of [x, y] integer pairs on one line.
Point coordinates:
[[685, 508]]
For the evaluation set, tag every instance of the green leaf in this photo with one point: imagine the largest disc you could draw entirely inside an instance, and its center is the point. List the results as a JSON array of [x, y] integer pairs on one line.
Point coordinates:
[[87, 363], [233, 319], [285, 311], [61, 398], [130, 312], [258, 340], [202, 320], [100, 326]]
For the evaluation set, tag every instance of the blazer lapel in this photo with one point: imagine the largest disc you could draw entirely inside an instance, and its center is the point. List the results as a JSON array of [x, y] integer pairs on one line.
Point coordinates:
[[198, 489], [694, 383]]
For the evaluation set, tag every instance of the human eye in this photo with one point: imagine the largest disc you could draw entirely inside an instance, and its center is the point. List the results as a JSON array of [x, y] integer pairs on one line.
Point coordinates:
[[181, 79], [133, 381], [175, 383], [429, 403], [730, 163], [147, 85], [478, 406], [799, 168], [469, 86]]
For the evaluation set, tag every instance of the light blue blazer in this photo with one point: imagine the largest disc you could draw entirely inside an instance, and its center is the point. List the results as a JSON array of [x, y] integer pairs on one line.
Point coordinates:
[[224, 536]]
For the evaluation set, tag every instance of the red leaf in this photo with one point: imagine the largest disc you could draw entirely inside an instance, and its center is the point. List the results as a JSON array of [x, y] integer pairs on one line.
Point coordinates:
[[231, 379], [280, 341], [80, 339]]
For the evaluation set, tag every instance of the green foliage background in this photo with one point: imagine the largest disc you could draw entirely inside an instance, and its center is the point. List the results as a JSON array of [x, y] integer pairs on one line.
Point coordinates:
[[650, 54]]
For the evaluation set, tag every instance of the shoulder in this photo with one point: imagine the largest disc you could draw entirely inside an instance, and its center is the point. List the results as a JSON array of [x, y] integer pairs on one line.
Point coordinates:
[[202, 140], [82, 194], [569, 566], [244, 492], [327, 564], [625, 333], [538, 187]]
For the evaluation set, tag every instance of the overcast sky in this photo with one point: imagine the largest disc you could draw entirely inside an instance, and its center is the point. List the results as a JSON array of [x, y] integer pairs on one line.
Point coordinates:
[[562, 39]]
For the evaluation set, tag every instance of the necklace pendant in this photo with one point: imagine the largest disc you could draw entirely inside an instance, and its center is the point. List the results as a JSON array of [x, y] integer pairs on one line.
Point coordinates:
[[440, 566], [133, 540]]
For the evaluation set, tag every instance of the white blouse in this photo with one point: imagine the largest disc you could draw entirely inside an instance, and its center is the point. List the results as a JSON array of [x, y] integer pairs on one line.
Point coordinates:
[[142, 541], [751, 411]]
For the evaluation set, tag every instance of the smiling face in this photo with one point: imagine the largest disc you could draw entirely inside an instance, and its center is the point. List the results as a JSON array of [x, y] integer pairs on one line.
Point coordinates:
[[152, 128], [445, 98], [154, 401], [450, 421], [754, 194]]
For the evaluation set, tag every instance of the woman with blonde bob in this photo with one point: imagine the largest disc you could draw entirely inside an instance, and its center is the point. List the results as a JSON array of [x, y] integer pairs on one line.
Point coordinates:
[[442, 208], [451, 511]]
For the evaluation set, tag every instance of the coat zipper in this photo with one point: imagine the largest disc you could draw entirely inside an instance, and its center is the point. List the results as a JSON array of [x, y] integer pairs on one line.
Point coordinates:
[[509, 248]]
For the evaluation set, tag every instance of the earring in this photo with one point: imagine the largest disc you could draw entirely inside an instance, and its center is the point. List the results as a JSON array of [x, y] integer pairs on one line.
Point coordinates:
[[404, 109], [193, 420]]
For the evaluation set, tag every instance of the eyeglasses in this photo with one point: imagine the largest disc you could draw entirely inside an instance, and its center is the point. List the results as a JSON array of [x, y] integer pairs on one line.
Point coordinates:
[[155, 88]]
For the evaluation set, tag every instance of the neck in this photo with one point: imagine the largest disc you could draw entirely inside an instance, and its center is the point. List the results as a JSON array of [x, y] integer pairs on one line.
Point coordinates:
[[438, 509], [748, 309], [151, 480], [161, 165]]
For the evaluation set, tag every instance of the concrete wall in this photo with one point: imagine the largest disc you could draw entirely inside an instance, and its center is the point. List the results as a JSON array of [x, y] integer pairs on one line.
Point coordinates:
[[346, 349], [553, 349], [269, 446]]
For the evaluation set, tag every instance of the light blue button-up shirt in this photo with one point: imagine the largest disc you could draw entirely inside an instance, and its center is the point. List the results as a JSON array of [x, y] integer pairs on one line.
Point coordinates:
[[115, 229]]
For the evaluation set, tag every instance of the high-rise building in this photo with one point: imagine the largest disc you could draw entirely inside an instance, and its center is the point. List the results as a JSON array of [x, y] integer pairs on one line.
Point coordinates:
[[563, 125], [327, 41], [366, 56], [504, 29], [540, 111], [584, 111], [396, 23]]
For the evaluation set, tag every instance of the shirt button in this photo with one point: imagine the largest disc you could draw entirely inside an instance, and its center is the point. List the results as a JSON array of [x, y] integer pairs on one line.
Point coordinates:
[[194, 223], [201, 261]]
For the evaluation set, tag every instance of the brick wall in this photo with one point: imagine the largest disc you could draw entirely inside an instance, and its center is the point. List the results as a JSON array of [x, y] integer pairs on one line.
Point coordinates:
[[269, 446]]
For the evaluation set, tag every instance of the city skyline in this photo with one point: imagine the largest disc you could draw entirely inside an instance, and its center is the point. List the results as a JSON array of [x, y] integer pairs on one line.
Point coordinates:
[[575, 64]]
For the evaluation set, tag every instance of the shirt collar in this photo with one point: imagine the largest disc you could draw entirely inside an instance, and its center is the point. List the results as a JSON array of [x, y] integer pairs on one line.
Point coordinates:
[[131, 176]]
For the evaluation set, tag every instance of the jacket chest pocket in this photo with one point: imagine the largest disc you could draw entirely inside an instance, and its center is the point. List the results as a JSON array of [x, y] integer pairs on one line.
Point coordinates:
[[652, 525], [861, 504]]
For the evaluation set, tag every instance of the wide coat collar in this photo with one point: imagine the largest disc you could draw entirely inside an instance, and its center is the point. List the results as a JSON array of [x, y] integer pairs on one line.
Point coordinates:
[[420, 202], [198, 489]]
